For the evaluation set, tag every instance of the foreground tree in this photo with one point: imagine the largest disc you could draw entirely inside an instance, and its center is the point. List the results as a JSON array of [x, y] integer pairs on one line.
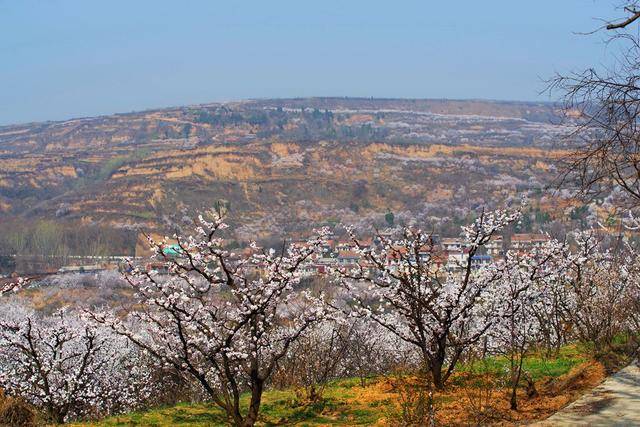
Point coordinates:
[[517, 299], [373, 350], [316, 358], [633, 306], [599, 282], [67, 367], [406, 288], [223, 319]]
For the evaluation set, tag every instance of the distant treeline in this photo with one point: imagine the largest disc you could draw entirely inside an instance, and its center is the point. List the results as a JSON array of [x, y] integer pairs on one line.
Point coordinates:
[[51, 238], [311, 124]]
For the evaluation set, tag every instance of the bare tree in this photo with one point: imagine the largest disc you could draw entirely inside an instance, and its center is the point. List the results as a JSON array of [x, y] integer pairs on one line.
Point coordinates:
[[606, 105]]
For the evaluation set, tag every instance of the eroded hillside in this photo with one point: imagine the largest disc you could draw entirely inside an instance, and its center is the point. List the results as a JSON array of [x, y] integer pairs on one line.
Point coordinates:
[[280, 165]]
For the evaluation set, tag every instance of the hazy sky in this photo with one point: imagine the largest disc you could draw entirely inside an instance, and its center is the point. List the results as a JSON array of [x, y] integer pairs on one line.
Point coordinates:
[[62, 59]]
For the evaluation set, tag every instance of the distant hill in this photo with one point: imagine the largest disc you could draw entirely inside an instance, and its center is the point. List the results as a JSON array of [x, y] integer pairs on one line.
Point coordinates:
[[279, 165]]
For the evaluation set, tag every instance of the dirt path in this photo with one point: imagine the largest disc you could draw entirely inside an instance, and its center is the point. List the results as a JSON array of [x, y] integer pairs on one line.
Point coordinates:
[[615, 402]]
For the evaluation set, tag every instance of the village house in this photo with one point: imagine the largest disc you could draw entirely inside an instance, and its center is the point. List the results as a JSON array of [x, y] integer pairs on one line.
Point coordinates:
[[348, 258], [495, 246], [479, 261], [451, 244], [312, 269], [525, 242], [456, 259]]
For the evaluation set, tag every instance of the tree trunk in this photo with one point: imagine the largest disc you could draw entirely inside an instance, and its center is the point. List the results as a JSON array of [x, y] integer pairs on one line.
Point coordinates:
[[257, 387], [514, 398], [436, 373], [238, 421], [532, 391], [515, 380], [57, 415]]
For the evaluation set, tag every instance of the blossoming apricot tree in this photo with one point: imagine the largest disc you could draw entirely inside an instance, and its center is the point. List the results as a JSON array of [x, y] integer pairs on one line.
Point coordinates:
[[222, 318]]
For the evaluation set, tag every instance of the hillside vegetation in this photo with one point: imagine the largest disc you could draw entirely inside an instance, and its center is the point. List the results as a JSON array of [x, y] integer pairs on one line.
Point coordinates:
[[278, 164]]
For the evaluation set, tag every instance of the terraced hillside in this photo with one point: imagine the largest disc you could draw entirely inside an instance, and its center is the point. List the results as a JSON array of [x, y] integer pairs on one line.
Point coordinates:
[[280, 166]]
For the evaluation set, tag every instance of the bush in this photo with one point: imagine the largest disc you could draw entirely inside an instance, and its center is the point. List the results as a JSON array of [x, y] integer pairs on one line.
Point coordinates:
[[416, 403], [16, 412]]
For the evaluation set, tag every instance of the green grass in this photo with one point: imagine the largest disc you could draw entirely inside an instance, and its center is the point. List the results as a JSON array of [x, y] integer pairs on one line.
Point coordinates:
[[142, 214], [536, 365], [278, 408], [345, 402], [181, 414]]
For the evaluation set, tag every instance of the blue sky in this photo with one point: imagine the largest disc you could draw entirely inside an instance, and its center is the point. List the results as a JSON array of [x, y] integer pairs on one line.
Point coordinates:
[[62, 59]]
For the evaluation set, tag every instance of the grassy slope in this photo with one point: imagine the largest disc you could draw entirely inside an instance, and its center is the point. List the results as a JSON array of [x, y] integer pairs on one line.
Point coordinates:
[[346, 403]]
